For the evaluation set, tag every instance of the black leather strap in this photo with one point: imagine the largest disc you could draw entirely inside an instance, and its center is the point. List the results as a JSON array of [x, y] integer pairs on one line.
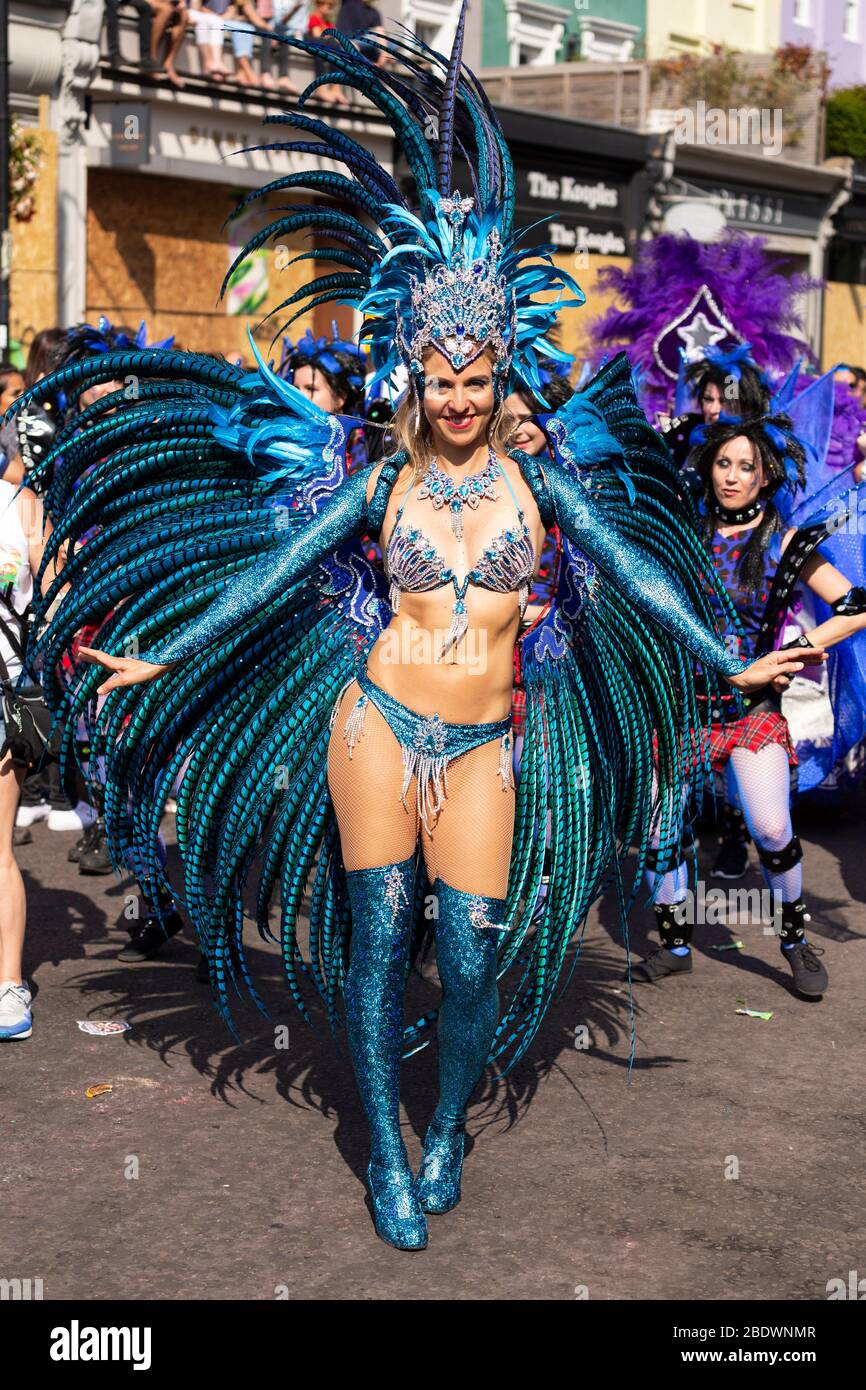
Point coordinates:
[[800, 549], [778, 861], [850, 605]]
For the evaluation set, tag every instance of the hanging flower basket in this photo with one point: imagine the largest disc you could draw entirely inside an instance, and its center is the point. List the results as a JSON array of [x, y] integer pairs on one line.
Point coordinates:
[[25, 161]]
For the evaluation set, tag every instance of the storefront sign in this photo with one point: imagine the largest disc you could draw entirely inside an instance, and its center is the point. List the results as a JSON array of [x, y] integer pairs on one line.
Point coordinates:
[[585, 213], [757, 210], [568, 189], [130, 133]]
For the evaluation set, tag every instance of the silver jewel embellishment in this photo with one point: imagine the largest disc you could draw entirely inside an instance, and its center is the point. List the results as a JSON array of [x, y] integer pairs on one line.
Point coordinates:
[[443, 491], [479, 917], [395, 891]]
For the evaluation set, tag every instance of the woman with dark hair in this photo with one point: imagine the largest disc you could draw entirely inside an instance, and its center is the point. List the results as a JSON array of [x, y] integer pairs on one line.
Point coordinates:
[[331, 372], [44, 354], [744, 467]]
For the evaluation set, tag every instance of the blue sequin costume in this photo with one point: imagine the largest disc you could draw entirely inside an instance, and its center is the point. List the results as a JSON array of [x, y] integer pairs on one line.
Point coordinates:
[[268, 612]]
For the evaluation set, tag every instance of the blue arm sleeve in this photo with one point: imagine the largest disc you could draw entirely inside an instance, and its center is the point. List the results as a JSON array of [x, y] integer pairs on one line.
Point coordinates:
[[637, 574], [342, 515]]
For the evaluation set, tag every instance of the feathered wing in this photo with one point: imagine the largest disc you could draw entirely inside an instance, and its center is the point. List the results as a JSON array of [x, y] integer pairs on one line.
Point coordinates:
[[212, 524], [605, 679]]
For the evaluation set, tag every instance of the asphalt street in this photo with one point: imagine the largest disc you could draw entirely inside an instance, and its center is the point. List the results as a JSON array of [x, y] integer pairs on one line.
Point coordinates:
[[727, 1164]]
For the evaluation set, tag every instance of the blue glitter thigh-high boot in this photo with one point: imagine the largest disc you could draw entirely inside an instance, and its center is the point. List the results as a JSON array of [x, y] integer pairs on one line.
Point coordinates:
[[381, 903], [466, 945]]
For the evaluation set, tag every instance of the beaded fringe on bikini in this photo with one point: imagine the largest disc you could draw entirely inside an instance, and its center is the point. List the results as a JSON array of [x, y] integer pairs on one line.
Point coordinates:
[[427, 744]]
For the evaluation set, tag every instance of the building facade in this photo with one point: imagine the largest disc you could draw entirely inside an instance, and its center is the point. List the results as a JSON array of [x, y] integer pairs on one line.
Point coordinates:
[[837, 28]]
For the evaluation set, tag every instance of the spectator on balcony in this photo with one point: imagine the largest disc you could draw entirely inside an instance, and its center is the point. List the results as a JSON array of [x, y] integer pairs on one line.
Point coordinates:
[[208, 20], [287, 17], [321, 19], [144, 20], [356, 18], [246, 18], [169, 24]]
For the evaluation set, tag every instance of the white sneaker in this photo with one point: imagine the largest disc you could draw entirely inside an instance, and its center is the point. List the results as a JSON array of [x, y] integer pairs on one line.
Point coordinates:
[[79, 819], [28, 815], [16, 1020]]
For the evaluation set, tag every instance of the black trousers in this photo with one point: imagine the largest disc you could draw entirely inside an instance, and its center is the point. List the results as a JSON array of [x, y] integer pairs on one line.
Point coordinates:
[[144, 19]]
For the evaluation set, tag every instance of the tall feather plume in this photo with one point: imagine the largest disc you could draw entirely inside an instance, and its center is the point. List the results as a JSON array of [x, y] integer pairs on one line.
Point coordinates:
[[446, 109]]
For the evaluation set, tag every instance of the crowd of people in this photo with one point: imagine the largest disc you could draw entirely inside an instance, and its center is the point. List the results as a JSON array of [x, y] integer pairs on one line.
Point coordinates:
[[251, 26]]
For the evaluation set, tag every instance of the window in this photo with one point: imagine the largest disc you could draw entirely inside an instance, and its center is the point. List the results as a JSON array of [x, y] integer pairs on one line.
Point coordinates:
[[433, 21], [803, 12], [851, 22], [607, 40], [534, 31]]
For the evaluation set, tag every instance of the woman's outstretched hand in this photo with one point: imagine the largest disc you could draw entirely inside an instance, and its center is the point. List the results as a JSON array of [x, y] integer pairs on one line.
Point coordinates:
[[776, 666], [127, 669]]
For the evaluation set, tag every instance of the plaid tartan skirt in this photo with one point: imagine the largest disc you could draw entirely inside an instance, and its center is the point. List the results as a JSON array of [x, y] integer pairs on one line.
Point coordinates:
[[753, 732]]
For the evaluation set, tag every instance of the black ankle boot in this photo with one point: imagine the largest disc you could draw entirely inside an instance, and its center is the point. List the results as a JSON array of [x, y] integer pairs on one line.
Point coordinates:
[[810, 976], [94, 857], [148, 936], [663, 960], [88, 841]]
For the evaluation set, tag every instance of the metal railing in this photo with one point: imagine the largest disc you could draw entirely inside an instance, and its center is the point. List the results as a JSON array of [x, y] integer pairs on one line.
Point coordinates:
[[624, 94], [268, 66]]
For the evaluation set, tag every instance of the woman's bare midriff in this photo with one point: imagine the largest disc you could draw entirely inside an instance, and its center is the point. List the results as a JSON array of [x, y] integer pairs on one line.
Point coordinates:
[[470, 685]]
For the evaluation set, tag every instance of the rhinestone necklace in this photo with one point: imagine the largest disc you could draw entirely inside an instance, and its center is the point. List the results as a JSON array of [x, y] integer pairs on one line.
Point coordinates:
[[443, 491]]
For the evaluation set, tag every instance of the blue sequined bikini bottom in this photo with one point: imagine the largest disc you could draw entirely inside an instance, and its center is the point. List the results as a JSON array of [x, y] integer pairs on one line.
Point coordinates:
[[427, 742]]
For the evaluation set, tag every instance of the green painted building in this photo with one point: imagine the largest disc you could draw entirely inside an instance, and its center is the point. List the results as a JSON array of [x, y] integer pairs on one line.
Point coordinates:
[[519, 32]]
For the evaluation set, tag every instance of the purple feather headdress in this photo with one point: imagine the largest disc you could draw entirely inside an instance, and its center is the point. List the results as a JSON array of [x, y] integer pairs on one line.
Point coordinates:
[[682, 292]]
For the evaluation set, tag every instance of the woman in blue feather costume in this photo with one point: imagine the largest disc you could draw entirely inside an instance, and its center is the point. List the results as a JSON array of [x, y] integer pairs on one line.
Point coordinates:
[[331, 727]]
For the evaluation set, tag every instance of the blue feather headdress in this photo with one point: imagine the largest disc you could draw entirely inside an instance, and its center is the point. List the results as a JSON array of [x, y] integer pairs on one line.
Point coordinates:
[[88, 338], [311, 351], [431, 268]]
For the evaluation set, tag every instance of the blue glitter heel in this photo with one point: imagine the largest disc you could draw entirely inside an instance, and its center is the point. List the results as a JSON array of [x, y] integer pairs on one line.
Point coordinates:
[[438, 1184], [399, 1219]]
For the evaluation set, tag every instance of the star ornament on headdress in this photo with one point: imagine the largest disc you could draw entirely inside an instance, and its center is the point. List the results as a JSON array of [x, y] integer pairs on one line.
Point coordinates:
[[699, 335], [690, 332]]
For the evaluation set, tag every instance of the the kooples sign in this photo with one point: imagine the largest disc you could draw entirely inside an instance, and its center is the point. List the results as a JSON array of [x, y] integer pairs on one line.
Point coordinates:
[[567, 189], [585, 214]]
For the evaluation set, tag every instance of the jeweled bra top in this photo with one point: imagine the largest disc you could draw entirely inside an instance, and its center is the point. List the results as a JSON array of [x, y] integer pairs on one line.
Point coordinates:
[[414, 565]]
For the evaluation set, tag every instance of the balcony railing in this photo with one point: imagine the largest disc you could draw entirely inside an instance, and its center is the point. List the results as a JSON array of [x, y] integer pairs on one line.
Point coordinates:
[[251, 62], [624, 94]]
